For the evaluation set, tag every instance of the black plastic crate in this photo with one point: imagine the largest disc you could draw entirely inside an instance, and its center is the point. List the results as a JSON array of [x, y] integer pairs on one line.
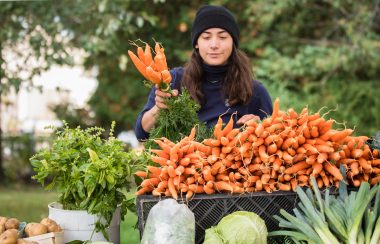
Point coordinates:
[[210, 209]]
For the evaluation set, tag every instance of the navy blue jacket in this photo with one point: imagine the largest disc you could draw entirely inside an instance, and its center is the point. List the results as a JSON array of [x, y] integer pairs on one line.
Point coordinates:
[[215, 103]]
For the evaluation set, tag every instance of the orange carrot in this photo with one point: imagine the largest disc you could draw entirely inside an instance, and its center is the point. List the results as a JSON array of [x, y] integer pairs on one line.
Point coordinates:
[[175, 153], [189, 194], [171, 171], [172, 189], [276, 108], [208, 190], [179, 170], [262, 153], [322, 157], [191, 136], [160, 153], [153, 75], [284, 187], [334, 156], [375, 162], [253, 167], [229, 126], [326, 126], [164, 146], [375, 153], [288, 143], [357, 153], [265, 178], [207, 175], [159, 160], [272, 148], [224, 141], [287, 157], [314, 132], [297, 167], [178, 180], [141, 67], [317, 168], [274, 128], [140, 54], [159, 62], [223, 186], [259, 185], [340, 135], [184, 161], [141, 174], [354, 167], [375, 180], [259, 130], [154, 170], [196, 188], [365, 164], [232, 134], [166, 76], [211, 142], [218, 133], [143, 190], [333, 170], [324, 148], [316, 122], [148, 56], [226, 149], [163, 184], [310, 149], [150, 182]]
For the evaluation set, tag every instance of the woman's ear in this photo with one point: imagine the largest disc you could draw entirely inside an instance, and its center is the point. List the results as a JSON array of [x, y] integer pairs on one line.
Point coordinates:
[[196, 46]]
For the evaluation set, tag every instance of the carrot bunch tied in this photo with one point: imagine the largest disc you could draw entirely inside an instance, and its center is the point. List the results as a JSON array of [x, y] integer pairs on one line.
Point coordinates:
[[280, 152], [179, 168], [154, 69]]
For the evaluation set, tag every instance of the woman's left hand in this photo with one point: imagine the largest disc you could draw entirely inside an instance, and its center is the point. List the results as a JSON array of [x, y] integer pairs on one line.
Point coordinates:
[[245, 118]]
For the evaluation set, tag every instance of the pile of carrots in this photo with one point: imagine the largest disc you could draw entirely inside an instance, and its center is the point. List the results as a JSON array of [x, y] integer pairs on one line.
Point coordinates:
[[154, 69], [278, 153]]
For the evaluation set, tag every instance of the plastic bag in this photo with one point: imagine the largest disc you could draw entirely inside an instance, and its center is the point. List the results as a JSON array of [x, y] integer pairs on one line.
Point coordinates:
[[169, 222]]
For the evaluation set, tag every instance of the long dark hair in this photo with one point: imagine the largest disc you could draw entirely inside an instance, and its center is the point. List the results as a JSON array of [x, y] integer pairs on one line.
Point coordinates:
[[237, 86]]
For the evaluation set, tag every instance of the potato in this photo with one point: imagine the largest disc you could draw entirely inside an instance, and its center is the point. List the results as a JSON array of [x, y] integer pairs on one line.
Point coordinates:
[[51, 224], [3, 220], [9, 237], [12, 223], [35, 229], [2, 229]]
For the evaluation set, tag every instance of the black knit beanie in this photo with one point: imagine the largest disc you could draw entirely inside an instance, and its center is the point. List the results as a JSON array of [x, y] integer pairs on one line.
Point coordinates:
[[210, 16]]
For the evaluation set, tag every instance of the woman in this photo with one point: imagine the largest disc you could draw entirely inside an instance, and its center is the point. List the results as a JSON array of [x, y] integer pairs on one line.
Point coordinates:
[[218, 76]]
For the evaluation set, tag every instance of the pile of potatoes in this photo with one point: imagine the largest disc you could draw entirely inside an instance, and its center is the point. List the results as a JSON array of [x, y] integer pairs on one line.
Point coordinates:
[[9, 233]]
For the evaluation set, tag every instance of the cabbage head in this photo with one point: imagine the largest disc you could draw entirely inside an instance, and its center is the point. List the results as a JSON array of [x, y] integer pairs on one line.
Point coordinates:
[[238, 228]]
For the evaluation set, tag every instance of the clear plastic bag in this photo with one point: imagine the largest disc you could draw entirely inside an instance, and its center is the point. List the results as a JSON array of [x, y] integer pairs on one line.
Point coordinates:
[[169, 222]]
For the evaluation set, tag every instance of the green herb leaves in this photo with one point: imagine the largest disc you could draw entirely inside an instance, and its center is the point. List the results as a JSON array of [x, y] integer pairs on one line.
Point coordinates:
[[177, 121], [90, 173]]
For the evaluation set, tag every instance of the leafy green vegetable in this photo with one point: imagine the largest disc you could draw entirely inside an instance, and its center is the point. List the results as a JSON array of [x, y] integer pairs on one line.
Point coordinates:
[[212, 236], [238, 227], [89, 172], [177, 121], [347, 218]]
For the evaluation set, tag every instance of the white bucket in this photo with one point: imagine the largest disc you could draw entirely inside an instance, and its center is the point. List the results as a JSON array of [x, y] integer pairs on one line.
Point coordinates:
[[79, 225]]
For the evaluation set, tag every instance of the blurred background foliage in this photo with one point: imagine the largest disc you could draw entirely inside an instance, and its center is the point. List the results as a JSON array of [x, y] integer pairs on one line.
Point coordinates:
[[321, 54]]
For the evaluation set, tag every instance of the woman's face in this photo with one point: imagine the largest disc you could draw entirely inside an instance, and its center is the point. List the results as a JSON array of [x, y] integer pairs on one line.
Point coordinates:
[[215, 46]]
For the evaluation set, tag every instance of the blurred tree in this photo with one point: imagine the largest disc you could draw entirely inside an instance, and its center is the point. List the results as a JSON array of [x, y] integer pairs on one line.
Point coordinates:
[[315, 53], [319, 53]]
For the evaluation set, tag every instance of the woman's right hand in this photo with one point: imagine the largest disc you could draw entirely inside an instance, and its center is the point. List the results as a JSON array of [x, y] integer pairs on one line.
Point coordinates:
[[161, 98]]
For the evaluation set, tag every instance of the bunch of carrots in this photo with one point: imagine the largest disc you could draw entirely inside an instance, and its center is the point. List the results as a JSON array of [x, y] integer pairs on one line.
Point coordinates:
[[154, 69], [277, 153]]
